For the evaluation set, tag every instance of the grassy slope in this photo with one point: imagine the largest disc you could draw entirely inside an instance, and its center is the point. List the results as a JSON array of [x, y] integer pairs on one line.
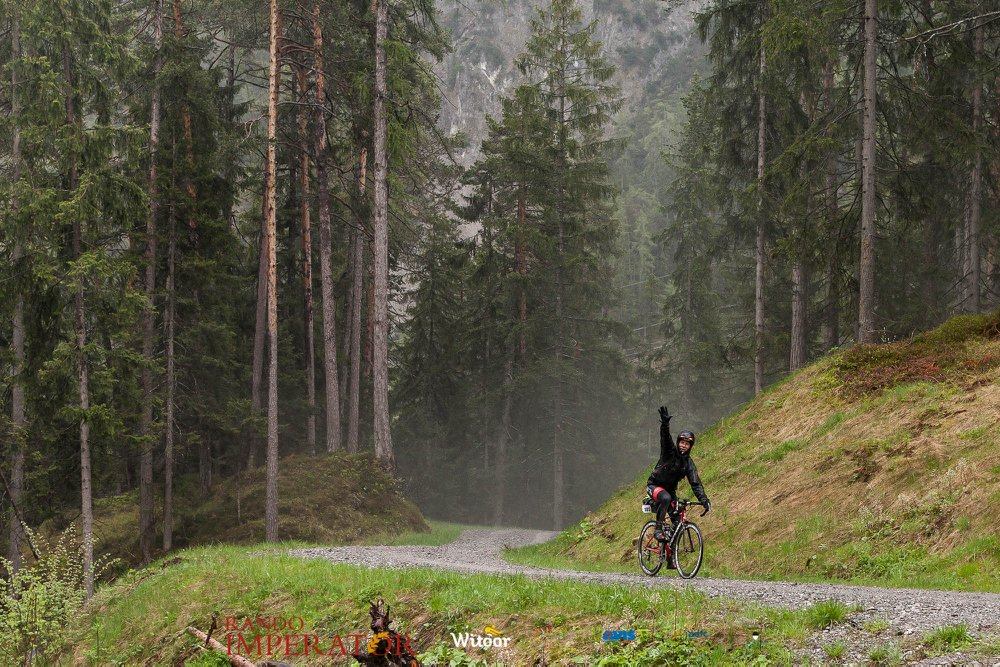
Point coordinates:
[[334, 498], [141, 617], [876, 464]]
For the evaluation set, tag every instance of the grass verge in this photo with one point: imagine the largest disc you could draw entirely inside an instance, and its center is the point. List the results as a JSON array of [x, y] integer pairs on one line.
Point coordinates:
[[141, 617]]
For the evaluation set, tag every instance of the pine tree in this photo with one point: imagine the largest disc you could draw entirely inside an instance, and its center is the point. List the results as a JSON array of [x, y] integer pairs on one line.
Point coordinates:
[[563, 61], [149, 316], [380, 248], [866, 271], [270, 243]]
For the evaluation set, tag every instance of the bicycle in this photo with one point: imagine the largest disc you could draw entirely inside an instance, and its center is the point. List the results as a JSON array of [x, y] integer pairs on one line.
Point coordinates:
[[682, 543]]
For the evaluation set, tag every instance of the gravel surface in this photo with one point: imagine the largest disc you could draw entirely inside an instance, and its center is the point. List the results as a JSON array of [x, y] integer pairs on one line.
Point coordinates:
[[909, 612]]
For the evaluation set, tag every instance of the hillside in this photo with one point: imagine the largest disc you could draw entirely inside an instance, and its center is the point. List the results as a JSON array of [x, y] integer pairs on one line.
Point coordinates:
[[328, 499], [877, 464]]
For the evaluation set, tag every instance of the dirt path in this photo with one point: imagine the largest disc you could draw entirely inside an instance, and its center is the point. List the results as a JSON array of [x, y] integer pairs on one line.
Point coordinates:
[[909, 612]]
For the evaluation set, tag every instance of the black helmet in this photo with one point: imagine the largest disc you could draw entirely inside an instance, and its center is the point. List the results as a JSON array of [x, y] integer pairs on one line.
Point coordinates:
[[686, 435]]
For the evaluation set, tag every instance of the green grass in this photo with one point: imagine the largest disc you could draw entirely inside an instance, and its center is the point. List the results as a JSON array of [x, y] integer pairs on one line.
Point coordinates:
[[886, 655], [827, 613], [141, 617], [876, 625], [540, 555], [835, 650], [948, 639], [441, 532], [832, 422], [988, 645], [783, 450]]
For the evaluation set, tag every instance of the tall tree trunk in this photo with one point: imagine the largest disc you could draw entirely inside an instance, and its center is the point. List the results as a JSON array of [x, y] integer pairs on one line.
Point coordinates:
[[230, 173], [758, 301], [205, 466], [146, 534], [357, 292], [797, 354], [973, 207], [503, 442], [270, 169], [687, 320], [929, 242], [380, 247], [800, 299], [866, 269], [368, 345], [18, 412], [204, 444], [307, 278], [259, 336], [558, 462], [189, 187], [519, 265], [333, 441], [831, 310], [83, 372], [171, 380]]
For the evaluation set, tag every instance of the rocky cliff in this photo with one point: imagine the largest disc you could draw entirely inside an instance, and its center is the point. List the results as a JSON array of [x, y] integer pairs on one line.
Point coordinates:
[[652, 43]]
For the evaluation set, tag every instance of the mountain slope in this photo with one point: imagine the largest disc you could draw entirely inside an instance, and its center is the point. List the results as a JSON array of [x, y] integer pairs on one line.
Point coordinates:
[[652, 45], [879, 463]]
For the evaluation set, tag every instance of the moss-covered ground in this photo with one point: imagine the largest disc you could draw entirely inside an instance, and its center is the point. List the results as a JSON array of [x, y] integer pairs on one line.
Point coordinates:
[[328, 499]]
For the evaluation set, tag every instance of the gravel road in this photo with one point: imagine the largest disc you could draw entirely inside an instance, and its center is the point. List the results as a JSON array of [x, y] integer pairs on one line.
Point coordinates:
[[909, 612], [481, 551]]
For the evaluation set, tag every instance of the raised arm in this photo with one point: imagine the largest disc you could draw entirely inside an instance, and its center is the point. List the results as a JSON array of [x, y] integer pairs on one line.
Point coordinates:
[[666, 440]]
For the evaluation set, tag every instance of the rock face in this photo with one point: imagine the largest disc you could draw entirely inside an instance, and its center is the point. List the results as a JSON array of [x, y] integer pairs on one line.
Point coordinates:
[[652, 43]]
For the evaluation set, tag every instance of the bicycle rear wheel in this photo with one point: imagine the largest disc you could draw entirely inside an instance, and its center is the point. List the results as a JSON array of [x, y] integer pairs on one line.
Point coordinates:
[[689, 550], [650, 550]]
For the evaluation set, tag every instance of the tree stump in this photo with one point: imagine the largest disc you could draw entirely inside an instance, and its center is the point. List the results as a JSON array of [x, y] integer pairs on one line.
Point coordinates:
[[385, 647]]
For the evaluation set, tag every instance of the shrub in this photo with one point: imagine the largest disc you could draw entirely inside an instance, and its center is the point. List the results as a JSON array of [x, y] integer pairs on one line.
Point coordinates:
[[37, 601]]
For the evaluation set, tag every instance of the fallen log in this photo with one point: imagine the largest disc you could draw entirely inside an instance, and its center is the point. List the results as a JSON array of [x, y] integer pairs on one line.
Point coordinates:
[[234, 659]]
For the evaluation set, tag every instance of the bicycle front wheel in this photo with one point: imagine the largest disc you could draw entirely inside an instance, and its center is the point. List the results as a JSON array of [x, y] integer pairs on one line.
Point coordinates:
[[650, 550], [689, 550]]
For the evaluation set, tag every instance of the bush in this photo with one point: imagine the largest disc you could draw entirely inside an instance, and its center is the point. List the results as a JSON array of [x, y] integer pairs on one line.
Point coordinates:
[[37, 602]]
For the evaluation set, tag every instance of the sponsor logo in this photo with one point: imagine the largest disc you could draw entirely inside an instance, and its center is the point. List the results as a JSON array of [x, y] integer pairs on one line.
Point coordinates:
[[261, 637], [618, 636], [491, 638]]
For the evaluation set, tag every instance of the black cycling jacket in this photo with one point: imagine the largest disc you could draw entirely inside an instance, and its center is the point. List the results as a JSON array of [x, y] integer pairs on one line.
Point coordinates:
[[674, 466]]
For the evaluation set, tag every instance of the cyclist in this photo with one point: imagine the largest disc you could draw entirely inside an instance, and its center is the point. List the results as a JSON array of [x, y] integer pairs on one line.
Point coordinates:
[[674, 464]]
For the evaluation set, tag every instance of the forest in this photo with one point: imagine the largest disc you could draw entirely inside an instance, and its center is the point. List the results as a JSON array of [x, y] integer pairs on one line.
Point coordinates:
[[235, 231]]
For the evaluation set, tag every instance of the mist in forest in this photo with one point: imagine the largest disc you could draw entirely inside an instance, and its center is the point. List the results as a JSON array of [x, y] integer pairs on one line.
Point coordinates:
[[477, 242]]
